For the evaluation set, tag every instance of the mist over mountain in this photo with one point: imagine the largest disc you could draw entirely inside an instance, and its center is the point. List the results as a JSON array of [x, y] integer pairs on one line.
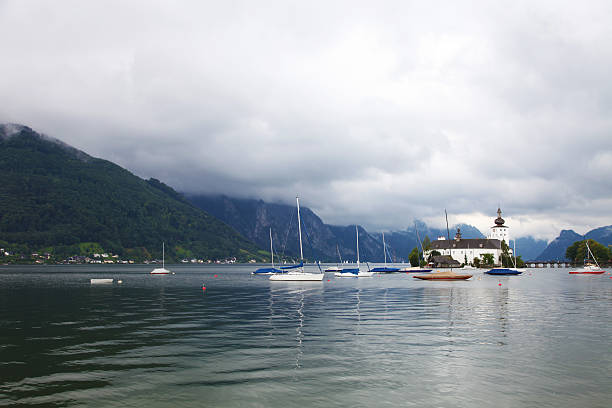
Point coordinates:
[[54, 195], [57, 198], [253, 219]]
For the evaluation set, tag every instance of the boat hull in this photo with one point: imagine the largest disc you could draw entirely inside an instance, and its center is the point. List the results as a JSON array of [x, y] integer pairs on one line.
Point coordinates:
[[314, 277], [503, 271], [95, 281], [267, 271], [385, 270], [586, 272], [415, 270], [359, 274], [443, 276], [159, 271]]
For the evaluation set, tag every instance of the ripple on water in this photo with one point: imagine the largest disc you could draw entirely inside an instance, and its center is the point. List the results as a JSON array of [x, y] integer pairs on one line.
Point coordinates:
[[390, 341]]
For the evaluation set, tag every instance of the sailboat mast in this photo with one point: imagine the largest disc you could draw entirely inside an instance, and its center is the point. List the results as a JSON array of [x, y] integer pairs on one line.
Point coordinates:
[[271, 249], [420, 243], [357, 234], [385, 249], [297, 199], [592, 254], [450, 253], [163, 256]]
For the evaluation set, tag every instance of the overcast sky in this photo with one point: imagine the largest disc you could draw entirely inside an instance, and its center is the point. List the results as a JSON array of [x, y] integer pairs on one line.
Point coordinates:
[[376, 113]]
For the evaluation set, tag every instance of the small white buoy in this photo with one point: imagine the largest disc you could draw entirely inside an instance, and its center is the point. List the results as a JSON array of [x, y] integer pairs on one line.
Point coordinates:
[[119, 281]]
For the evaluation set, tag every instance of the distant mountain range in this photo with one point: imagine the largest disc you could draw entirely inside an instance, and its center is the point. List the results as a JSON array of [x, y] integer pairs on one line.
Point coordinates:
[[253, 219], [56, 197]]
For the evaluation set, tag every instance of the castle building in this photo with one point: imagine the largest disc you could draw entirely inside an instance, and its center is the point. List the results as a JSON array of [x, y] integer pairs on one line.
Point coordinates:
[[464, 250]]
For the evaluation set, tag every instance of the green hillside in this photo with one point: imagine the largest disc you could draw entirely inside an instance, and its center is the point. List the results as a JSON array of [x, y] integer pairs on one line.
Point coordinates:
[[55, 198]]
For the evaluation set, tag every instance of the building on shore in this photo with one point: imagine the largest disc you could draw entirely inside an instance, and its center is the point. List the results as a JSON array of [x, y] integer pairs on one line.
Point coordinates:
[[464, 250]]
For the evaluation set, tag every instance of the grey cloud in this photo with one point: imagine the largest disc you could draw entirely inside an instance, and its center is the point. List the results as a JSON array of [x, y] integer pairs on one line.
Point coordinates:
[[375, 114]]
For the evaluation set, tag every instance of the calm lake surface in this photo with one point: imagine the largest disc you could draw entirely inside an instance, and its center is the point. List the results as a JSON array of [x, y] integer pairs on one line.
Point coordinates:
[[542, 339]]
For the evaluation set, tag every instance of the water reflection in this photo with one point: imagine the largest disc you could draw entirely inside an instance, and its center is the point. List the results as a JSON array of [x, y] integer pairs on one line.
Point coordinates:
[[244, 342]]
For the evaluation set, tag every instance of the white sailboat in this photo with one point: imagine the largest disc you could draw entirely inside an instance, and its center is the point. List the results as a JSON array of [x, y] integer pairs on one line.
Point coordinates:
[[337, 267], [354, 272], [296, 272], [588, 267], [162, 270]]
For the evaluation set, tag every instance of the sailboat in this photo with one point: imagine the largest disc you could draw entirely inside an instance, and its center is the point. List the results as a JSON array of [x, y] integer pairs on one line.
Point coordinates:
[[384, 269], [296, 272], [337, 267], [417, 269], [271, 270], [162, 270], [446, 275], [588, 267], [354, 272], [507, 271]]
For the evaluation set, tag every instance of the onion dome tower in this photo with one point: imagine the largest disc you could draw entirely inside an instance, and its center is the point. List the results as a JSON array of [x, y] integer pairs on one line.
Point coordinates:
[[499, 230]]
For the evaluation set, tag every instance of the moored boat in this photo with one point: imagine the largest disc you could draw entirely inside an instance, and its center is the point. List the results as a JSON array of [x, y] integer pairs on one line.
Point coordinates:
[[415, 269], [384, 269], [446, 276], [354, 272], [162, 270], [296, 272], [588, 268], [503, 271], [270, 270]]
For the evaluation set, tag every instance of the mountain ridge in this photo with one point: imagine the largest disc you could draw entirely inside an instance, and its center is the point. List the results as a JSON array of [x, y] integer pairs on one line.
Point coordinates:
[[56, 197]]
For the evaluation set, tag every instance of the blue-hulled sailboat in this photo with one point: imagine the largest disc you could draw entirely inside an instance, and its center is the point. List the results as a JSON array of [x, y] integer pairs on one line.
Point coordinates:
[[272, 270], [354, 272], [296, 272], [384, 269], [506, 271]]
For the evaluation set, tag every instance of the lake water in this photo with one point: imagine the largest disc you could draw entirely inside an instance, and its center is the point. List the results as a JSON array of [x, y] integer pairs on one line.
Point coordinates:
[[537, 340]]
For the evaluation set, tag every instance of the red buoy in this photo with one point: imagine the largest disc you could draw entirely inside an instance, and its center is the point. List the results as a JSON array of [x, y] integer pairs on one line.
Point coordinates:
[[499, 284], [216, 275]]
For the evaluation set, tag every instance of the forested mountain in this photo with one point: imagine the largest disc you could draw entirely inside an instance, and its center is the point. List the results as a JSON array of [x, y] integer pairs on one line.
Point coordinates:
[[556, 249], [54, 197]]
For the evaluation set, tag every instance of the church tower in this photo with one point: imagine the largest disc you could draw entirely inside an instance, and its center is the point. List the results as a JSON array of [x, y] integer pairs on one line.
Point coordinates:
[[499, 230]]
